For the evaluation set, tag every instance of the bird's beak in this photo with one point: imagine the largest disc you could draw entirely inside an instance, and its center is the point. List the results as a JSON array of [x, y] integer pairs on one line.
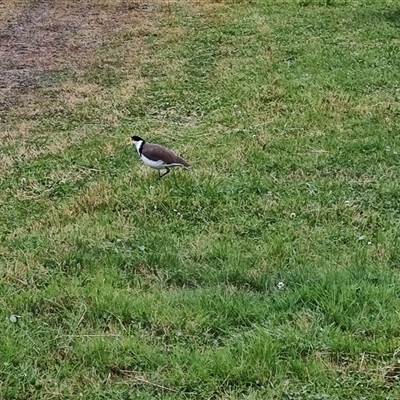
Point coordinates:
[[130, 142]]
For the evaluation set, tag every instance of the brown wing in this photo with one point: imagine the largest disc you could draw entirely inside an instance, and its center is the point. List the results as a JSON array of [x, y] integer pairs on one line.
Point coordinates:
[[156, 152]]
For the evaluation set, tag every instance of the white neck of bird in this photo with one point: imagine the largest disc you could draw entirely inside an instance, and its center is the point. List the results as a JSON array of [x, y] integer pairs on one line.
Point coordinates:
[[138, 145]]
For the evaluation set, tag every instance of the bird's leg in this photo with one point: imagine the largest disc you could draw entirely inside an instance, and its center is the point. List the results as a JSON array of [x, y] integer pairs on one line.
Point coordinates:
[[168, 170], [159, 176]]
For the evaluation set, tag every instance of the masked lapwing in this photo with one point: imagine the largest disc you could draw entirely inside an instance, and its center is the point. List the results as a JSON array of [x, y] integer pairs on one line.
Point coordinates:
[[157, 157]]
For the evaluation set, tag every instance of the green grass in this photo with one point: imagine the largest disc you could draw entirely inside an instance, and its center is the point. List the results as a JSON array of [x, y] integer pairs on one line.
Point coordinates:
[[129, 287]]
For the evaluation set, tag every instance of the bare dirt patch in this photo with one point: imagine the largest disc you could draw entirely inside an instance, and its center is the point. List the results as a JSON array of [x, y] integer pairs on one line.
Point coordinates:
[[40, 41]]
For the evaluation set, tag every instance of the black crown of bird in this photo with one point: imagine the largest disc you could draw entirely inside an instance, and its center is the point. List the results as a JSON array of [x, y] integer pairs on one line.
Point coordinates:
[[158, 157]]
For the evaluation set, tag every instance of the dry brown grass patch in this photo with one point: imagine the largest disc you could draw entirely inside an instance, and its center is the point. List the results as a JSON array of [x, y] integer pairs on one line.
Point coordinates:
[[12, 134], [42, 39], [73, 93], [98, 195], [9, 9], [29, 152]]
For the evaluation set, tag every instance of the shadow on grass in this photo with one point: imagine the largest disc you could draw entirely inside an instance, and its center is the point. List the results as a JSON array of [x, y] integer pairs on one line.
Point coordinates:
[[392, 16]]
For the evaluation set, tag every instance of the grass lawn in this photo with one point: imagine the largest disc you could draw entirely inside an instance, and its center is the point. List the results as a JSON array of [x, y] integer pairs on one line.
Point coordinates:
[[117, 285]]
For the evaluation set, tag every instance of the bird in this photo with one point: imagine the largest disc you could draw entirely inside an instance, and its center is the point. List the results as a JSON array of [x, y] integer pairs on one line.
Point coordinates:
[[158, 157]]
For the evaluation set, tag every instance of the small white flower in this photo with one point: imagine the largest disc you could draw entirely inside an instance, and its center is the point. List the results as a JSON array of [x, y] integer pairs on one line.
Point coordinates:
[[14, 318], [292, 215], [280, 286], [347, 202]]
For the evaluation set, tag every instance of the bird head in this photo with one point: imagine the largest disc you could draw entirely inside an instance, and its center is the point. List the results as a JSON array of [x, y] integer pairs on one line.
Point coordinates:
[[137, 141]]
